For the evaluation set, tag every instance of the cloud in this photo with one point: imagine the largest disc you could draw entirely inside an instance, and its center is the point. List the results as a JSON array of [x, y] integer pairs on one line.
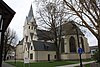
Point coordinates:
[[91, 38], [21, 8]]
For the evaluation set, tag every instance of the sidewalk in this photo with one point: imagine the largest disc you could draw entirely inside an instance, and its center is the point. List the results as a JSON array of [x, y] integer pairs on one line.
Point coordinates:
[[73, 65], [6, 65]]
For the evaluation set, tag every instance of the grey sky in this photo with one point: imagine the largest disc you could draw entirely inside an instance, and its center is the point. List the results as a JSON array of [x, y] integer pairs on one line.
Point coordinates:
[[21, 7]]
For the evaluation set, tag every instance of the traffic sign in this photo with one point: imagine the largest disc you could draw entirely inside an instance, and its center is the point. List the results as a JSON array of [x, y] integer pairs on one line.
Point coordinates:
[[80, 50], [26, 60]]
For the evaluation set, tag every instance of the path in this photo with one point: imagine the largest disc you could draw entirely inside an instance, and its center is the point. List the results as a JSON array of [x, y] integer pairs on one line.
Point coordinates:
[[6, 65], [73, 65]]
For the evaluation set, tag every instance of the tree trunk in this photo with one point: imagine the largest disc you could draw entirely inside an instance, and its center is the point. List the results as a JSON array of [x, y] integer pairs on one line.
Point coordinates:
[[98, 38], [98, 44], [5, 54], [58, 56]]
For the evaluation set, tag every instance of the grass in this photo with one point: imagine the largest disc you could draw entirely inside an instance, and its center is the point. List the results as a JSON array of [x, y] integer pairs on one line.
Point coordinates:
[[87, 60], [87, 65], [43, 64], [47, 64]]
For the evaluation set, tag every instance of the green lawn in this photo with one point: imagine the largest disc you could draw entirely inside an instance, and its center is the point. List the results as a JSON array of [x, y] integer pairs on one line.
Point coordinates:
[[43, 64], [47, 64], [87, 65]]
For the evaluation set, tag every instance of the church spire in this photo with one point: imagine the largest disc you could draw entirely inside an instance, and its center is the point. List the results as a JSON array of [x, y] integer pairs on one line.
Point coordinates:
[[31, 12]]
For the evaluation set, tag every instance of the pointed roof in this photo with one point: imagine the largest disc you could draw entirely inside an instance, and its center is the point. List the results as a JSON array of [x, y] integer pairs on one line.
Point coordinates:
[[30, 14]]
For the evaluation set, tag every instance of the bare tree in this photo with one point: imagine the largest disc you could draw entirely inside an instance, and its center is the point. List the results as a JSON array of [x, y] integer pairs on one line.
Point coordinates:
[[10, 39], [88, 11], [51, 15]]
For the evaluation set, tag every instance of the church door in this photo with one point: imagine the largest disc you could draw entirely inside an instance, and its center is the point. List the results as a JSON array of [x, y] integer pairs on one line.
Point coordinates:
[[48, 57]]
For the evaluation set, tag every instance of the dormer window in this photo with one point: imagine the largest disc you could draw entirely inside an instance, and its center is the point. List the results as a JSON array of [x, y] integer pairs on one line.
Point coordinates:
[[29, 27]]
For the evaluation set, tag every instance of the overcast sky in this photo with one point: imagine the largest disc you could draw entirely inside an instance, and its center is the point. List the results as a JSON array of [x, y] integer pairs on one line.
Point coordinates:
[[21, 7]]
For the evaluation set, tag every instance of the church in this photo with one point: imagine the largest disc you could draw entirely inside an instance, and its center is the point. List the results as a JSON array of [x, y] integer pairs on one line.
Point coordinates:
[[36, 47]]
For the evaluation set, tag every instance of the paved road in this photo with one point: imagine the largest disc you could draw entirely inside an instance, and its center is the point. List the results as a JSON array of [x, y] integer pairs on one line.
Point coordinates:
[[73, 65], [6, 65]]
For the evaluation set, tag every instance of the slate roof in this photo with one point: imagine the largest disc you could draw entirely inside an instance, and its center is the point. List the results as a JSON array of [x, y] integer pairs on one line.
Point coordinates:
[[21, 42], [93, 47], [30, 14], [70, 29], [44, 35], [43, 46], [67, 29]]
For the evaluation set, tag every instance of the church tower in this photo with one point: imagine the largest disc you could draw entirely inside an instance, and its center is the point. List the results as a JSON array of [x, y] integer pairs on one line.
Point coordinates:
[[29, 32], [30, 26]]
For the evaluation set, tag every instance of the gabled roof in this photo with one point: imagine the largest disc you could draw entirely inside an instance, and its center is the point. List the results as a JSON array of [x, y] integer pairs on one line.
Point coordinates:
[[7, 13], [21, 42], [43, 46], [69, 28], [43, 34]]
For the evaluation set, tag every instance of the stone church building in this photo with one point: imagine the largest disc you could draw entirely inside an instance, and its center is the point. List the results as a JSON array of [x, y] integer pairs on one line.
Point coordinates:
[[35, 46]]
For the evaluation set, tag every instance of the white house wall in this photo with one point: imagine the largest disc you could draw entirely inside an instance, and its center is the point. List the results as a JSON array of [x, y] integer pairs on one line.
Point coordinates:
[[19, 52], [43, 55], [86, 45], [75, 56]]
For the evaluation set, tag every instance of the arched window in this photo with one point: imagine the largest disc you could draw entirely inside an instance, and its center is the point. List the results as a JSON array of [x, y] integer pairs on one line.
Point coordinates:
[[29, 27], [62, 45], [82, 43], [72, 44], [31, 48]]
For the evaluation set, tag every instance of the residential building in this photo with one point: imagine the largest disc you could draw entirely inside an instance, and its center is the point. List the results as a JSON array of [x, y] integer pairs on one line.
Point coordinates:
[[93, 50]]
